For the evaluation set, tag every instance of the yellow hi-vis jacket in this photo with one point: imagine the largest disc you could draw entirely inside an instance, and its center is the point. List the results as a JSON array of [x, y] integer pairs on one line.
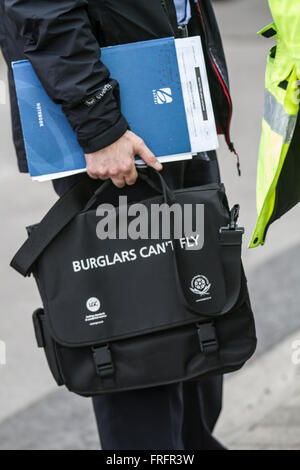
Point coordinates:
[[278, 171]]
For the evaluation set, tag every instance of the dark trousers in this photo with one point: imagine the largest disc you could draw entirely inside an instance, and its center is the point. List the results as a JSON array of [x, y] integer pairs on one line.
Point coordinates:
[[171, 417]]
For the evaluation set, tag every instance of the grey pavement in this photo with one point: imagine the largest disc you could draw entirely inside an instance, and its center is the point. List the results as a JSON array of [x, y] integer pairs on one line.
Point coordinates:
[[34, 413], [262, 402], [60, 421], [279, 430]]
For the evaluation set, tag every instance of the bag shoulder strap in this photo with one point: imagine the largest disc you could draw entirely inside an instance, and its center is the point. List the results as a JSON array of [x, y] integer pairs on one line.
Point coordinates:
[[63, 211], [80, 196], [230, 240]]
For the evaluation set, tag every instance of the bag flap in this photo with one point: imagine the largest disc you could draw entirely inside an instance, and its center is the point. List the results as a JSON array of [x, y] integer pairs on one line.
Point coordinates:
[[95, 291]]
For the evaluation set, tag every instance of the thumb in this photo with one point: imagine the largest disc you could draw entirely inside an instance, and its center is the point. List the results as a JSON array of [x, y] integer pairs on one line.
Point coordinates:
[[148, 157]]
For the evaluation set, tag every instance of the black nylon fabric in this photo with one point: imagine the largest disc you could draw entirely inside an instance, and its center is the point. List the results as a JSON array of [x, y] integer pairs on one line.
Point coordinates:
[[160, 358], [61, 39], [166, 357], [141, 332], [145, 268]]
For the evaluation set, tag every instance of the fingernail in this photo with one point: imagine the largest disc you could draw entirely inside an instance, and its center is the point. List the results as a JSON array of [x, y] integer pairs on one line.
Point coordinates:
[[158, 166]]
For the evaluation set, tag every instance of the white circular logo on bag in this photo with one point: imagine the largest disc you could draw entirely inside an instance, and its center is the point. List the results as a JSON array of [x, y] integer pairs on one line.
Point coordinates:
[[200, 285], [93, 304]]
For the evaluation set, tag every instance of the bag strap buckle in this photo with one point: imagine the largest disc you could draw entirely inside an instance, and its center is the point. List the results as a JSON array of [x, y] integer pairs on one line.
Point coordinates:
[[232, 234], [207, 338], [234, 215], [103, 361], [183, 31]]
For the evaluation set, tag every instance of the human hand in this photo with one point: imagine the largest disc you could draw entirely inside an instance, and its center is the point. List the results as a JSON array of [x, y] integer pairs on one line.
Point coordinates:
[[116, 161]]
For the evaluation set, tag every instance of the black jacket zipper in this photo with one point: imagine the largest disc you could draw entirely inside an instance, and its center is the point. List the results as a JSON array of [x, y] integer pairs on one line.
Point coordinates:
[[225, 90]]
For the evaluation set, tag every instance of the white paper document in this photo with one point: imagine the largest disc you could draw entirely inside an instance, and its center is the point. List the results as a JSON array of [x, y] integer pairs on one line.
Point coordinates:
[[196, 94], [165, 99]]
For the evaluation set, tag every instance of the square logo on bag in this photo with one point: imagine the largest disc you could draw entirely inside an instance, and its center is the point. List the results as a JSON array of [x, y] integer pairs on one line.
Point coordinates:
[[162, 96]]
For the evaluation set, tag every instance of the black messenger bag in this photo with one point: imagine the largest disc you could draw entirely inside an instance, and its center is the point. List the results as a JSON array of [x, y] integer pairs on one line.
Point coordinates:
[[122, 314]]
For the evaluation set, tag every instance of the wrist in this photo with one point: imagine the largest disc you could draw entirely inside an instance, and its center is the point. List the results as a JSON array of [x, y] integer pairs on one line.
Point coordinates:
[[98, 142]]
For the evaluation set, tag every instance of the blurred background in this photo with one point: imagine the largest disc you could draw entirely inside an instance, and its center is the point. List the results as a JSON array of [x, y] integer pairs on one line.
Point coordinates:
[[262, 401]]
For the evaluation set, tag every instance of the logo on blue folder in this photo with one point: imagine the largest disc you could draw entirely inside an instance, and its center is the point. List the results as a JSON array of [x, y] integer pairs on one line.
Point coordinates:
[[40, 114], [162, 96], [52, 148]]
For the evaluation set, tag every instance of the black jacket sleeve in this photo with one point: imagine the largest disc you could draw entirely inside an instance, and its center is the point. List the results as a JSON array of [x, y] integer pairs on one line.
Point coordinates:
[[60, 44]]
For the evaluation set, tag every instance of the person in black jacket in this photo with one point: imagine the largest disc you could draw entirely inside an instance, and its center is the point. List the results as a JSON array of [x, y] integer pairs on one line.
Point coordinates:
[[61, 38]]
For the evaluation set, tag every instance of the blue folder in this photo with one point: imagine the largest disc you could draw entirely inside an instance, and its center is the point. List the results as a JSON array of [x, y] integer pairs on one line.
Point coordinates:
[[152, 103]]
